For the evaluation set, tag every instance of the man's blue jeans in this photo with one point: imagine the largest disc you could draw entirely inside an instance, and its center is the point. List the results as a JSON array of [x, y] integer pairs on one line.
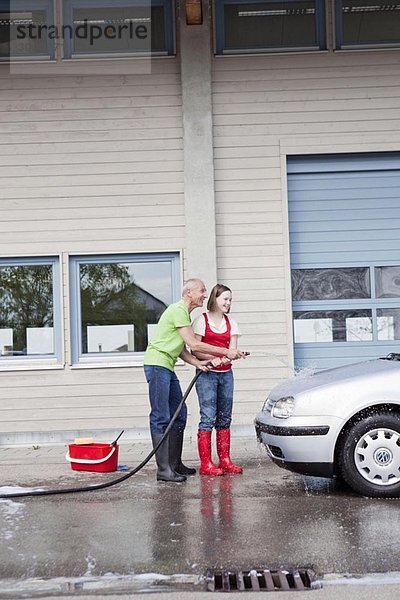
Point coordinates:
[[165, 394], [215, 393]]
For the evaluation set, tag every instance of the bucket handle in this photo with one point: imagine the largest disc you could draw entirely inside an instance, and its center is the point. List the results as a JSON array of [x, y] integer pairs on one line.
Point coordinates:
[[88, 461]]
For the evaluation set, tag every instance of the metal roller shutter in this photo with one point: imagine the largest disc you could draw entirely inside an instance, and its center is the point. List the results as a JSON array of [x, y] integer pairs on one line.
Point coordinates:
[[344, 226]]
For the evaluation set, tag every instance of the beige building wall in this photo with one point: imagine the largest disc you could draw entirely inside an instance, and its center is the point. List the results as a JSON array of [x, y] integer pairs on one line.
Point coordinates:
[[90, 165], [94, 164], [264, 108]]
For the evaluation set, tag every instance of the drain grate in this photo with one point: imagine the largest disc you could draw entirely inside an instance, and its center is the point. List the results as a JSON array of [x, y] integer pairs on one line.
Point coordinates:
[[259, 580]]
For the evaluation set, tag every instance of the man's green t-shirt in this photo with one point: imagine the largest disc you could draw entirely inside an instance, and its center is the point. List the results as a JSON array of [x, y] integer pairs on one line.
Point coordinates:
[[167, 343]]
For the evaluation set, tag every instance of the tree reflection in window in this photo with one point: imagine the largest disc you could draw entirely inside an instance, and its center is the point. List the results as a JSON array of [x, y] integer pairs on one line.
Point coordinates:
[[26, 304], [110, 297]]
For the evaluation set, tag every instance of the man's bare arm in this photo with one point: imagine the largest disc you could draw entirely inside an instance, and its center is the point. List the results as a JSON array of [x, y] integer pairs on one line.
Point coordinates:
[[203, 365], [196, 345], [202, 355]]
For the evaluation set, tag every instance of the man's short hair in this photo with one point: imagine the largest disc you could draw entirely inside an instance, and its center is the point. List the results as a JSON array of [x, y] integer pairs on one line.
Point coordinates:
[[190, 284]]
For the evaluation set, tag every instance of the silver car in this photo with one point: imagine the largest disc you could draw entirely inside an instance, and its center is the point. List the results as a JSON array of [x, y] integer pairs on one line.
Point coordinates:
[[343, 421]]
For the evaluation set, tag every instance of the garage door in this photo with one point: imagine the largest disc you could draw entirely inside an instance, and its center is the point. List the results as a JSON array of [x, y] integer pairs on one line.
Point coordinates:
[[344, 225]]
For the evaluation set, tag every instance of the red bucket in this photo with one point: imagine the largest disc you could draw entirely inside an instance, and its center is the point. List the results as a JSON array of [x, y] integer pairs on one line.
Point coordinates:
[[98, 457]]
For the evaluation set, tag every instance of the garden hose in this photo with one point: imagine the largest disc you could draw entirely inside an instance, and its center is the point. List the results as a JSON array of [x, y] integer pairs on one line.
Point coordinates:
[[102, 486]]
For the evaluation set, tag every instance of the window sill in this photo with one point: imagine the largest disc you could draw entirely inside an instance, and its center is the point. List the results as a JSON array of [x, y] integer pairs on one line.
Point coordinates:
[[109, 364], [107, 360], [114, 57], [26, 59], [30, 366], [136, 65], [354, 49], [36, 60], [269, 52]]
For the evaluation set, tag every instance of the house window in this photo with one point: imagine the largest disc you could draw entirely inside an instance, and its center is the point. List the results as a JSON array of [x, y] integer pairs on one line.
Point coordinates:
[[117, 301], [349, 304], [367, 23], [29, 309], [25, 28], [268, 25], [105, 27]]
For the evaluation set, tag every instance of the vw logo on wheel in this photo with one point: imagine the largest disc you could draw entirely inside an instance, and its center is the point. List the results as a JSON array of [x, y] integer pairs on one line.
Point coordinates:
[[383, 456]]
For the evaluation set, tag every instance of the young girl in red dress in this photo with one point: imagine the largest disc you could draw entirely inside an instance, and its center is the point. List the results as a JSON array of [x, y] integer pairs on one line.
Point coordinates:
[[215, 388]]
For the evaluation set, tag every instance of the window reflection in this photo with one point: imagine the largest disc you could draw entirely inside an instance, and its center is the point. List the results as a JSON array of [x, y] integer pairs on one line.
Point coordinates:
[[370, 22], [387, 282], [271, 25], [26, 310], [312, 329], [358, 329], [119, 29], [331, 284], [333, 326], [388, 323], [119, 303], [24, 32], [111, 338]]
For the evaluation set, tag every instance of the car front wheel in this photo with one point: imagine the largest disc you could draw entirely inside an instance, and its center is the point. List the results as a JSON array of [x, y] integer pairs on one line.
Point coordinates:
[[369, 456]]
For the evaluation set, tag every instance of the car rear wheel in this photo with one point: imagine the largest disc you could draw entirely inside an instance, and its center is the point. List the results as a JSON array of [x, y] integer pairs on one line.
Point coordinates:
[[369, 456]]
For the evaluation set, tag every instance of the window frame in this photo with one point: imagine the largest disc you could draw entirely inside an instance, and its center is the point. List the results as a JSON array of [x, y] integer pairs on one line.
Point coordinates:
[[339, 45], [111, 359], [320, 23], [48, 6], [40, 360], [68, 45]]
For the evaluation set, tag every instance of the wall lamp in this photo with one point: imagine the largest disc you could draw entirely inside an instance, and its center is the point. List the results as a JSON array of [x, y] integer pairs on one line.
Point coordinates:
[[194, 12]]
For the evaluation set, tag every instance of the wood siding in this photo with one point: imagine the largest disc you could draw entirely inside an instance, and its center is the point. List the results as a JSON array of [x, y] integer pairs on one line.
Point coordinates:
[[265, 107], [90, 164], [94, 164]]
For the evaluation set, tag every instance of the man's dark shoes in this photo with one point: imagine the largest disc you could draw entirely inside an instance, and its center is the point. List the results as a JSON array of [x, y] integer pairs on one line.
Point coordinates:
[[175, 453], [165, 472]]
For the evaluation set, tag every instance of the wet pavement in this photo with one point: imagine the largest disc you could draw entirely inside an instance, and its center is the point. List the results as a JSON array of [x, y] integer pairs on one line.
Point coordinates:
[[266, 517]]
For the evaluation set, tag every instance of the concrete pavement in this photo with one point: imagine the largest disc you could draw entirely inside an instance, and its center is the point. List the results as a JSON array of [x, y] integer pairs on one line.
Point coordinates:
[[226, 505], [359, 592], [41, 464]]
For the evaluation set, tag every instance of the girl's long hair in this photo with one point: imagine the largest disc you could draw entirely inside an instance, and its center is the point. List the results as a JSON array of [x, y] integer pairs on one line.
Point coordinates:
[[217, 290]]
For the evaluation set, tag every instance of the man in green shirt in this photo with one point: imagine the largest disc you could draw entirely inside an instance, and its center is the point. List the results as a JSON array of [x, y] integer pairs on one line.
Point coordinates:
[[172, 334]]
